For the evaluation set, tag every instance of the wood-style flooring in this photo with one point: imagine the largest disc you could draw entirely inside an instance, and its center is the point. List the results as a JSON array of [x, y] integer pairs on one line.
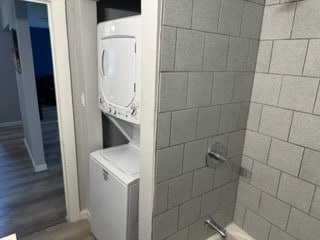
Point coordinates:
[[30, 201], [65, 231]]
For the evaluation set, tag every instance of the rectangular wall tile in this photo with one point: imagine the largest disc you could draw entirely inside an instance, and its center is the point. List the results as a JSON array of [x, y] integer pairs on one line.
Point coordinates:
[[165, 224], [228, 194], [265, 177], [271, 2], [317, 104], [230, 213], [251, 20], [252, 55], [215, 52], [256, 226], [310, 167], [311, 67], [305, 130], [303, 226], [219, 216], [208, 121], [210, 201], [229, 118], [194, 156], [222, 175], [277, 21], [181, 235], [235, 143], [205, 15], [199, 89], [223, 85], [180, 189], [298, 93], [203, 180], [173, 91], [163, 130], [266, 88], [198, 230], [243, 115], [285, 156], [288, 56], [296, 192], [189, 212], [307, 15], [256, 146], [278, 234], [275, 211], [264, 55], [160, 198], [177, 13], [276, 122], [254, 116], [230, 17], [189, 50], [243, 87], [239, 215], [168, 43], [223, 138], [183, 126], [169, 163], [246, 169], [315, 207], [237, 53], [248, 196]]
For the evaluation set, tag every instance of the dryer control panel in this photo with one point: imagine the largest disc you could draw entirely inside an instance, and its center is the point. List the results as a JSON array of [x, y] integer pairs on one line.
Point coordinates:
[[119, 68]]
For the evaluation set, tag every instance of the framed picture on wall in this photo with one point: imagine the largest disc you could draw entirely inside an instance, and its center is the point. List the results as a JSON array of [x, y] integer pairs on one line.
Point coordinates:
[[15, 50]]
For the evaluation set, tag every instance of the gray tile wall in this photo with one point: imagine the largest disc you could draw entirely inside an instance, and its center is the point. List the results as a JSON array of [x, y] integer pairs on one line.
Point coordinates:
[[208, 55], [279, 190]]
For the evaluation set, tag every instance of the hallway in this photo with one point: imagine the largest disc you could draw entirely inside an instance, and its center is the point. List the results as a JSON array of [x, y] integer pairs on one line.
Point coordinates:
[[30, 201]]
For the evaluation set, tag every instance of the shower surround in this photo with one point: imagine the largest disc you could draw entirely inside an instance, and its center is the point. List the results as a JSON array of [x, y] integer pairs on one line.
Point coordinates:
[[210, 78], [208, 54], [279, 198]]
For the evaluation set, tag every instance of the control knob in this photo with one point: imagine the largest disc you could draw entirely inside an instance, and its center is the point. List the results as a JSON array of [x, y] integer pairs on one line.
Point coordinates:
[[133, 110]]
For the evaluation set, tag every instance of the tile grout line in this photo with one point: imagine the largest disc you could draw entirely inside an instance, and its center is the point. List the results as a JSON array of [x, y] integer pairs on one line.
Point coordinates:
[[305, 57], [294, 16], [312, 199], [316, 100], [271, 54]]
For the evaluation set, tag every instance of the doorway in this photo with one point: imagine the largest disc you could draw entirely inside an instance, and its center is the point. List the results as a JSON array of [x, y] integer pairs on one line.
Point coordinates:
[[58, 37], [60, 55], [32, 201]]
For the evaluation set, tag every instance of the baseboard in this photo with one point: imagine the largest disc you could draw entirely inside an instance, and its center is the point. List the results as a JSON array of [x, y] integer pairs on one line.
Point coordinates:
[[10, 124], [85, 214], [37, 168]]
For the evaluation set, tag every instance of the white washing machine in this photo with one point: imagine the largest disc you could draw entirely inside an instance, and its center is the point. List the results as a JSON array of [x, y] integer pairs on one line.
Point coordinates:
[[114, 172], [114, 186]]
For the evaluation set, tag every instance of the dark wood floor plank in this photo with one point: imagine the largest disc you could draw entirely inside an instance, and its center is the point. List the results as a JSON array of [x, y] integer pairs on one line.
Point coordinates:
[[29, 201], [65, 231]]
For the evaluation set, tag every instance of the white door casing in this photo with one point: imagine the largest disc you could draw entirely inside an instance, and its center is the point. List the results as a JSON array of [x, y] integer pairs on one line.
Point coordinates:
[[63, 87]]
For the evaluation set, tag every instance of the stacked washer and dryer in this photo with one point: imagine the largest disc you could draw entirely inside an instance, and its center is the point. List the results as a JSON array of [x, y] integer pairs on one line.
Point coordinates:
[[114, 172]]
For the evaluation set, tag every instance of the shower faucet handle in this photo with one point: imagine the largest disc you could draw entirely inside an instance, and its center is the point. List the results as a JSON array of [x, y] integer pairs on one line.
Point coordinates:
[[217, 155]]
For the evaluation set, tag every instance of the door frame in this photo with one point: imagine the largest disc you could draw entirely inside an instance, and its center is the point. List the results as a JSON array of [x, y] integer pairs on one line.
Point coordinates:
[[63, 87]]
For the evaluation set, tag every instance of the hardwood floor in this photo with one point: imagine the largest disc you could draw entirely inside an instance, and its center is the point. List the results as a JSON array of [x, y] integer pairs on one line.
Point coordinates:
[[30, 201], [65, 231]]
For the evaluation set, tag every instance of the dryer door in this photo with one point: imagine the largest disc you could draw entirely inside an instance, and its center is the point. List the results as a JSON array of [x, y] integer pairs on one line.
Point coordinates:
[[118, 61]]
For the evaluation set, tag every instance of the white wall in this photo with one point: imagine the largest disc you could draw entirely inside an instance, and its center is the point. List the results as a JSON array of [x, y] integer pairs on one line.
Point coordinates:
[[81, 17], [9, 101], [27, 88]]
